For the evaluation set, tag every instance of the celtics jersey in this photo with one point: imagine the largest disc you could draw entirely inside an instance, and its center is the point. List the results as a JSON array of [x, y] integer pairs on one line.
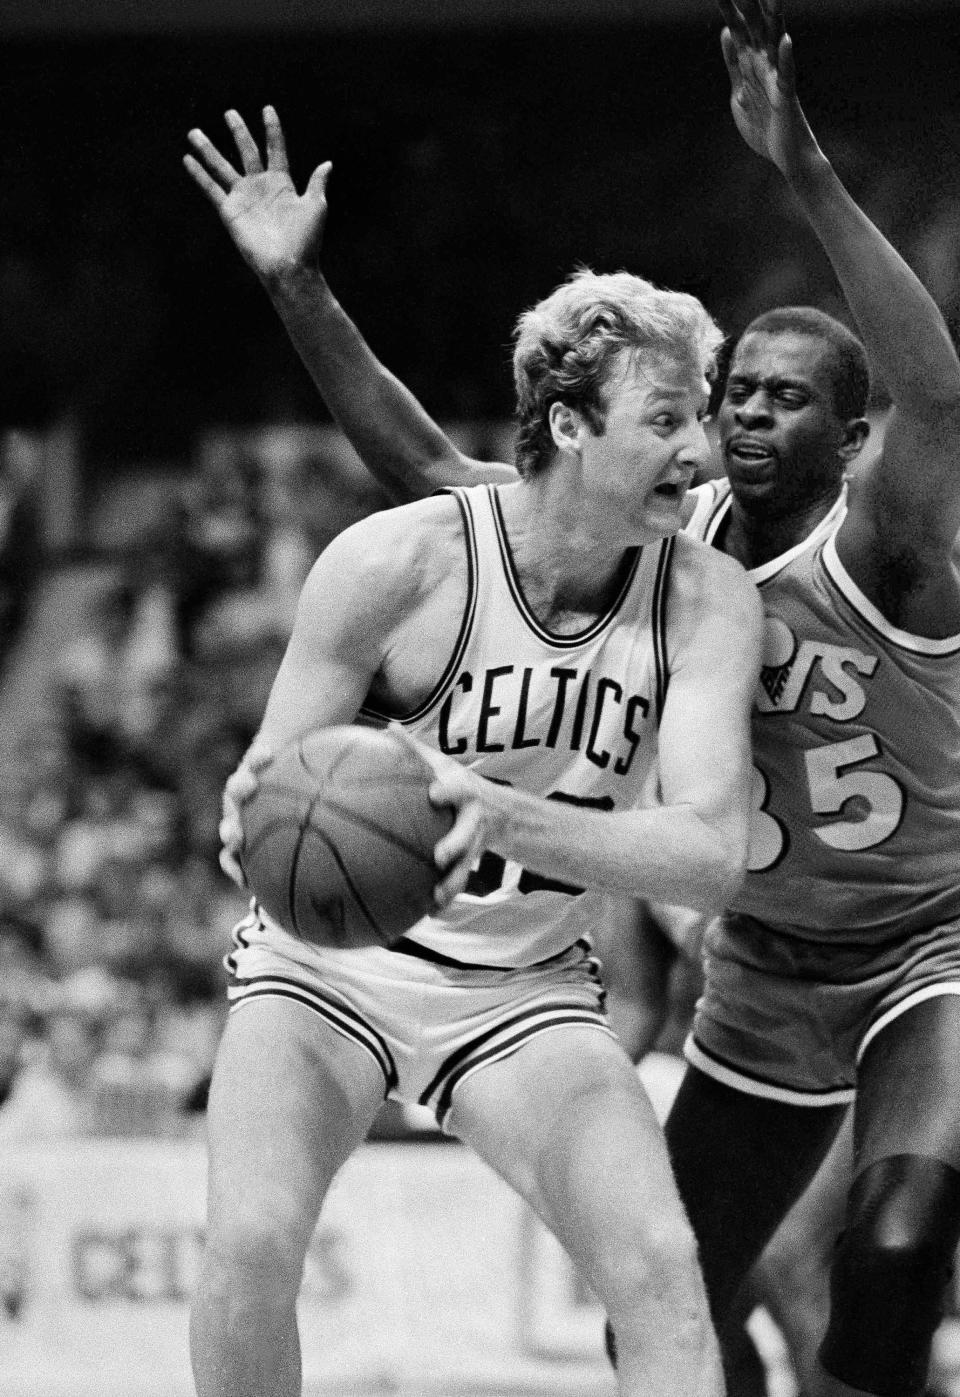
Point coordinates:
[[569, 717], [856, 744]]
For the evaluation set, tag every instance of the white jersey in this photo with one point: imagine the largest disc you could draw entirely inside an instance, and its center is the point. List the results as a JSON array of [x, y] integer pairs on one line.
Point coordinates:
[[569, 717]]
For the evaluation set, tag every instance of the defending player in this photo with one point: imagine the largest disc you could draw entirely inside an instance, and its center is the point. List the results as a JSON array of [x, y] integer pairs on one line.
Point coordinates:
[[839, 967], [555, 635]]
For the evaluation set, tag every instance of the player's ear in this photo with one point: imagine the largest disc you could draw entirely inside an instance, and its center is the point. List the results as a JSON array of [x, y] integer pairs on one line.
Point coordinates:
[[565, 426], [855, 433]]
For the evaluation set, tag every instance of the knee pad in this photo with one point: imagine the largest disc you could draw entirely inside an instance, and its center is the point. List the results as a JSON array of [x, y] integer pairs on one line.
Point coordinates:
[[891, 1268]]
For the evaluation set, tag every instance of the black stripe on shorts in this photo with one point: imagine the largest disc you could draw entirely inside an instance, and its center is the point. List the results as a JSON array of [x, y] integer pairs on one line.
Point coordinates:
[[502, 1041], [341, 1017]]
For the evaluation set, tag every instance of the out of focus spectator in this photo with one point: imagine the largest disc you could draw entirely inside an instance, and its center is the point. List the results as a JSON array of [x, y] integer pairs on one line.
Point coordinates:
[[14, 1030], [214, 554], [21, 550], [143, 1080], [51, 1096], [102, 1054], [109, 679]]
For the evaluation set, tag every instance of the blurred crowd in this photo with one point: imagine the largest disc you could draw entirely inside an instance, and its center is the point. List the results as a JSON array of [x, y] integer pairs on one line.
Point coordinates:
[[114, 914]]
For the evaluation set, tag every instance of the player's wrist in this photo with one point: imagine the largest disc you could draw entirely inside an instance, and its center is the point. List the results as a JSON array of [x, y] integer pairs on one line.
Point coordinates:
[[807, 169], [290, 282]]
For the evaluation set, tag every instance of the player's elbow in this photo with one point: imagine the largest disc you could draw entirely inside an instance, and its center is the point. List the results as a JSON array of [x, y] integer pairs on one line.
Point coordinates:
[[733, 870], [724, 868]]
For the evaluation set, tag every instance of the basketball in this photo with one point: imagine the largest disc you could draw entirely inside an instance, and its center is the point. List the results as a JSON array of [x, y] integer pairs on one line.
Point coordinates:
[[339, 837]]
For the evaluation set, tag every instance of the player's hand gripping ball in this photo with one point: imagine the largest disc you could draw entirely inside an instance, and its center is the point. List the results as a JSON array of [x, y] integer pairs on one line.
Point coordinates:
[[339, 837]]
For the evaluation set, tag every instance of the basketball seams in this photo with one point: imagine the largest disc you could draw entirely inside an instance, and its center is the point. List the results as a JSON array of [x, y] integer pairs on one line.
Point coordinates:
[[303, 826], [352, 888], [372, 826], [345, 812], [371, 872]]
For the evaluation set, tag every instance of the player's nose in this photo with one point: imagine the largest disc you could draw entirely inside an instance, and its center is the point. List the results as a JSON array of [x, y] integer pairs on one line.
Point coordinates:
[[754, 410], [695, 449]]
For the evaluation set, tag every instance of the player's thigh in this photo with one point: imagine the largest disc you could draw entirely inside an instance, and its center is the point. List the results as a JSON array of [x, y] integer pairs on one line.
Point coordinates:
[[566, 1121], [806, 1237], [740, 1162], [908, 1086], [290, 1099]]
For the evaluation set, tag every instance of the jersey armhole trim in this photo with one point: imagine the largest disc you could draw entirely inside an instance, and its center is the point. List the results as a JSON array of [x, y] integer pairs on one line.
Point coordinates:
[[658, 622], [841, 580], [466, 624]]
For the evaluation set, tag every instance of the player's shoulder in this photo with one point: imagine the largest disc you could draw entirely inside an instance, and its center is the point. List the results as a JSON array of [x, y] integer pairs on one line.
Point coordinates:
[[391, 541], [701, 504], [700, 559], [712, 586]]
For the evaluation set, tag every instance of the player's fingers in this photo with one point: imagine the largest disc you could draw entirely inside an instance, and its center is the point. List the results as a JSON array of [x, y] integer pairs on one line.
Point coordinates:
[[199, 175], [462, 842], [753, 22], [734, 21], [221, 169], [258, 755], [456, 871], [240, 786], [786, 66], [246, 145], [772, 15], [230, 828], [449, 887], [276, 144], [774, 11], [232, 868], [317, 184], [728, 47]]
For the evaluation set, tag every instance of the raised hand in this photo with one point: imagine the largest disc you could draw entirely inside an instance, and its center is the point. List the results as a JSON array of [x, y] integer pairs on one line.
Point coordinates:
[[763, 98], [274, 228]]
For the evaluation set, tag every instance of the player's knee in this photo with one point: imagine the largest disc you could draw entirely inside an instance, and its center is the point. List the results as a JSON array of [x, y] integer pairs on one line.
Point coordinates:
[[657, 1266], [891, 1269], [658, 1291], [257, 1248]]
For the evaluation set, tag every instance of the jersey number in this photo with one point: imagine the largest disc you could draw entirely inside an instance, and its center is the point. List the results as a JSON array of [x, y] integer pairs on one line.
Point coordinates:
[[831, 783], [490, 873]]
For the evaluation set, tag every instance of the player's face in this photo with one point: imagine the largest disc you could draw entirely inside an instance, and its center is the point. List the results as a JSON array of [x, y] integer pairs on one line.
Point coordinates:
[[779, 431], [652, 442]]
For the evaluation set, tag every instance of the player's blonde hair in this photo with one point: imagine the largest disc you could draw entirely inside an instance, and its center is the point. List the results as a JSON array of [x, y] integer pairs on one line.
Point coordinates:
[[566, 345]]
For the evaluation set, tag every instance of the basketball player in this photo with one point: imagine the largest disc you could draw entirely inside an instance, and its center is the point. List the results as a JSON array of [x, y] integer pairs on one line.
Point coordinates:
[[836, 974], [583, 677]]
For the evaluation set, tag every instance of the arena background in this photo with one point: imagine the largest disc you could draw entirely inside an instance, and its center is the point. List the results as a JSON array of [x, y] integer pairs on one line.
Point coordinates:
[[167, 475]]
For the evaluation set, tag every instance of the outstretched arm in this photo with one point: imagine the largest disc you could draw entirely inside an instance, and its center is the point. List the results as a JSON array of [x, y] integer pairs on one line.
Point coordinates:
[[279, 234], [912, 495]]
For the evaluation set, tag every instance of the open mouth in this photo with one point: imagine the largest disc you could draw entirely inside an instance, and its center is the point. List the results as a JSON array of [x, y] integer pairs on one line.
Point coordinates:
[[751, 453], [671, 489]]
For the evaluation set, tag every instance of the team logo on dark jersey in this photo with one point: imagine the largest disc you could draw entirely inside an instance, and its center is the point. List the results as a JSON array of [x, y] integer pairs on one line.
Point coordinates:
[[831, 673]]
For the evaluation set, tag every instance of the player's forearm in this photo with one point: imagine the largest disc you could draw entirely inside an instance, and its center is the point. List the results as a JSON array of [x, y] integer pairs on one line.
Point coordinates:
[[394, 437], [903, 330], [664, 854]]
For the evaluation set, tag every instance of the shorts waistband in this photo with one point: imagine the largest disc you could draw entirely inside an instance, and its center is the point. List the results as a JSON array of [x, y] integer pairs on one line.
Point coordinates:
[[407, 947]]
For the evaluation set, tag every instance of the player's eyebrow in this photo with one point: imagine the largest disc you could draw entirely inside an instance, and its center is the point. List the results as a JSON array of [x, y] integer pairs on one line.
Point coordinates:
[[670, 395], [772, 381]]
